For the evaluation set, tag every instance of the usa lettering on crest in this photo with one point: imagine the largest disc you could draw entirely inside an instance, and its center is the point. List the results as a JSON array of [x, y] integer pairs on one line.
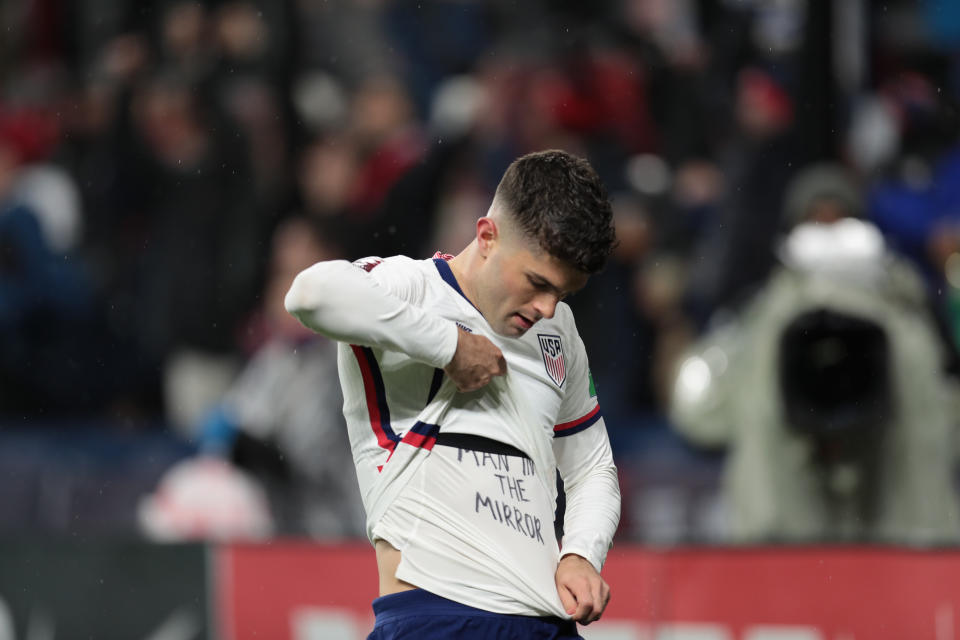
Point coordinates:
[[552, 349]]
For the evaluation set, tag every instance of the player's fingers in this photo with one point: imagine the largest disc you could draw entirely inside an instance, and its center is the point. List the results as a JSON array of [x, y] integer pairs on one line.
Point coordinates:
[[464, 383], [599, 599], [595, 608], [584, 613], [501, 365], [580, 588], [471, 383], [567, 600], [605, 594]]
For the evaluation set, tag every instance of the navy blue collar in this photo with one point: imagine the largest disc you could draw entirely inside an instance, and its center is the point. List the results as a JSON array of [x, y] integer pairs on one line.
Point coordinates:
[[447, 274]]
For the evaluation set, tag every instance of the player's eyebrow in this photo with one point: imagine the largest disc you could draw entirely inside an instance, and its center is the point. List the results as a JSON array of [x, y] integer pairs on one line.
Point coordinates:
[[544, 281]]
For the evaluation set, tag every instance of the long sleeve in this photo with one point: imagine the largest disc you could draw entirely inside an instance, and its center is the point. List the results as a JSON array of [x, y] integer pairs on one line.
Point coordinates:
[[585, 462], [350, 303], [590, 482]]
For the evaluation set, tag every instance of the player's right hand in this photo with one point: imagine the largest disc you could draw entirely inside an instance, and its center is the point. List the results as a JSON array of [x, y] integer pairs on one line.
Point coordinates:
[[475, 362]]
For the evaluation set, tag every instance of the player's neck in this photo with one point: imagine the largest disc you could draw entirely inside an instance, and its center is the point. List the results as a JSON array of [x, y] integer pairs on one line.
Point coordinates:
[[464, 265]]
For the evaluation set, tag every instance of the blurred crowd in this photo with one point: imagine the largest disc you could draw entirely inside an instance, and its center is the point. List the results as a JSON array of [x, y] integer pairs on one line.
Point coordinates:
[[785, 177]]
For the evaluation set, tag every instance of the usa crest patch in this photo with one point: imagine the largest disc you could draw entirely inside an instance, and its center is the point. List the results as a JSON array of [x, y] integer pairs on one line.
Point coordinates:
[[552, 349]]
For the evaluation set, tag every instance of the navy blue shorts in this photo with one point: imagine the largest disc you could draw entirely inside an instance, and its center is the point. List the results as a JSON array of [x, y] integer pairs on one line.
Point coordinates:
[[421, 615]]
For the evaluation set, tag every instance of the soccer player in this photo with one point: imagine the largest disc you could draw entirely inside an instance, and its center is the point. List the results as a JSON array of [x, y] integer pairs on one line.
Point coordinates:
[[466, 391]]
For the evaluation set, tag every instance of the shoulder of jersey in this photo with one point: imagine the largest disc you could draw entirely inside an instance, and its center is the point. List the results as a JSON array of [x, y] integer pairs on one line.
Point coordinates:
[[369, 263], [564, 315]]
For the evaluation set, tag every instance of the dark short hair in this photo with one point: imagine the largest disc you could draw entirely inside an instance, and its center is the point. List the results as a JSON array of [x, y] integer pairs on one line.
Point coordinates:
[[558, 200]]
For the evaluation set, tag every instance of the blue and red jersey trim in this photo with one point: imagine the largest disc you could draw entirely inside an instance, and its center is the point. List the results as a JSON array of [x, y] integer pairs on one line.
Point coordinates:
[[576, 426], [376, 395], [422, 435], [447, 274]]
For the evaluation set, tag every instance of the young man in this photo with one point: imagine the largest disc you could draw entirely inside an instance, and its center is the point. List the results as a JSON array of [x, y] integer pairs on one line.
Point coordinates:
[[466, 389]]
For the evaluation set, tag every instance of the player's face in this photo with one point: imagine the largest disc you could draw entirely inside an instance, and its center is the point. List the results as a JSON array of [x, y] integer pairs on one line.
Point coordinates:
[[524, 286]]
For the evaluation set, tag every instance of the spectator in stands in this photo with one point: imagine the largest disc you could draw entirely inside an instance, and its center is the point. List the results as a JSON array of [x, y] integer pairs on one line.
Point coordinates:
[[46, 302], [735, 253], [281, 419], [828, 388], [199, 269], [916, 199]]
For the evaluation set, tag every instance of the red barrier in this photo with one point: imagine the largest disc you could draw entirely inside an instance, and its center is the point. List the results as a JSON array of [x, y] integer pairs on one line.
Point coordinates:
[[832, 593], [277, 590], [304, 591]]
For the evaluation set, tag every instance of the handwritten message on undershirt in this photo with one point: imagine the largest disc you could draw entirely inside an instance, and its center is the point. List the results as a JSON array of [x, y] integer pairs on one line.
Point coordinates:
[[507, 505]]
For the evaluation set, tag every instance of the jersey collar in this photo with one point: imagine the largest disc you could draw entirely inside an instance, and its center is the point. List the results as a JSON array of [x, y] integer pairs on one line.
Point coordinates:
[[447, 274]]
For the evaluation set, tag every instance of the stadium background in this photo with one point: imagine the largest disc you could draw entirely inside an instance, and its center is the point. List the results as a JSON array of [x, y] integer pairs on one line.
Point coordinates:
[[166, 166]]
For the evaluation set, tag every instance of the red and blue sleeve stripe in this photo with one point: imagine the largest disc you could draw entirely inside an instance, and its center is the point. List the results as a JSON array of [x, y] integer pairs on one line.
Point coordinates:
[[376, 395], [576, 426], [422, 435]]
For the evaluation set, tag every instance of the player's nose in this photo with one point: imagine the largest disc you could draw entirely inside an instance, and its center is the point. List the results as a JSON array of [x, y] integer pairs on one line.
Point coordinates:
[[546, 305]]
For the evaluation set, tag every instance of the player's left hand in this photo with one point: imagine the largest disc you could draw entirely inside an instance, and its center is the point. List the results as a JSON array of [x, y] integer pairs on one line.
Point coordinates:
[[583, 592]]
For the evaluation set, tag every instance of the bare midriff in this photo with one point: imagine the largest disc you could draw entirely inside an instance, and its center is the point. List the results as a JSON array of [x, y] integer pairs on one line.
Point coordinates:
[[388, 559]]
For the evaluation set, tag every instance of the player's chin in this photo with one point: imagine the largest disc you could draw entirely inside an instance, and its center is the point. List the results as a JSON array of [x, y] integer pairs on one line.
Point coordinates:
[[517, 332]]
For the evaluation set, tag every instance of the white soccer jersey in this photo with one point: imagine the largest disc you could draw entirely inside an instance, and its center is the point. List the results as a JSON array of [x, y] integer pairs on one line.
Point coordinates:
[[473, 527]]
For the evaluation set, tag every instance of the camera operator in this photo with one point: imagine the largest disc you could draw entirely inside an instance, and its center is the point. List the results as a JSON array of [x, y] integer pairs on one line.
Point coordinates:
[[828, 388]]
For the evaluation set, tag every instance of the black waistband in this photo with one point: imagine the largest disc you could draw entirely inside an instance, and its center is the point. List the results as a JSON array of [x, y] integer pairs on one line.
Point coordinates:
[[478, 443]]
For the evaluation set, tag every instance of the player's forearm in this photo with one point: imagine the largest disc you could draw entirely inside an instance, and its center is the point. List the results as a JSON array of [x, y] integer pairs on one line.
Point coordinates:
[[590, 481], [344, 303], [592, 515]]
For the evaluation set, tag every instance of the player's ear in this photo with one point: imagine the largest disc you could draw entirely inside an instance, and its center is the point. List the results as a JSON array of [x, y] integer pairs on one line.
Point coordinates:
[[487, 234]]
